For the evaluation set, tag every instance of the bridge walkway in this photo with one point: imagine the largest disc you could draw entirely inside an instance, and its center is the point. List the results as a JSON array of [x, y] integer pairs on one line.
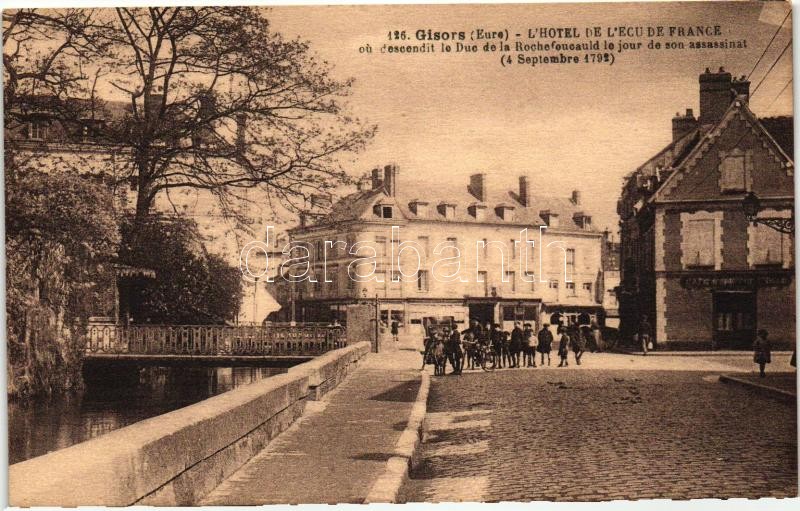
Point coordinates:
[[340, 446]]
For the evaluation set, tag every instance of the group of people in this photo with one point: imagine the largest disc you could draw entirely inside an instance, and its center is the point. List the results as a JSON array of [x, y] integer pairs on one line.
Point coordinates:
[[517, 348]]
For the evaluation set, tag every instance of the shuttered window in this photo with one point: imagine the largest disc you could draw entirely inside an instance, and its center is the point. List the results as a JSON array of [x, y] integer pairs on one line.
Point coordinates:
[[769, 246], [699, 246]]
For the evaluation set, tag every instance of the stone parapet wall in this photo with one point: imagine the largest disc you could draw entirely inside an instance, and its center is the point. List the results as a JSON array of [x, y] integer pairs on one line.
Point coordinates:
[[176, 458]]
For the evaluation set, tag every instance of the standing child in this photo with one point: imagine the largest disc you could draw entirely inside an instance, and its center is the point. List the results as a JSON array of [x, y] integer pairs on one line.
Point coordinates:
[[762, 354], [545, 342], [564, 343], [517, 347], [530, 343]]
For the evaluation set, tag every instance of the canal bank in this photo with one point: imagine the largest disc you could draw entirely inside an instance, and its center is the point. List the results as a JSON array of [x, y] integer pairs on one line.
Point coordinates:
[[112, 399], [179, 457]]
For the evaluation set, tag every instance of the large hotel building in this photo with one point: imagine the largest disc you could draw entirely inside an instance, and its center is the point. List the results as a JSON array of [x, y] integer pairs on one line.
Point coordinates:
[[483, 223]]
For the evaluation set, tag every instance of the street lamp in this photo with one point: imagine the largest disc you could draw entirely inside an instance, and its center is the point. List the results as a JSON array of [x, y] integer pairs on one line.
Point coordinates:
[[751, 205], [255, 305]]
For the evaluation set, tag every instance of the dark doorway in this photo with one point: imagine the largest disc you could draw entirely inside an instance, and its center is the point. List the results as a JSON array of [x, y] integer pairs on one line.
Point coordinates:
[[483, 312], [734, 320]]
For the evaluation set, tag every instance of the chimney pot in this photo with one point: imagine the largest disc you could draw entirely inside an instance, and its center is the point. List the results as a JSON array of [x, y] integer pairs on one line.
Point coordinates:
[[376, 178]]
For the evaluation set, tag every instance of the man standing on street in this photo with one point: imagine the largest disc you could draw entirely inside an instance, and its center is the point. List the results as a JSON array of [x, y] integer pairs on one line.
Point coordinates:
[[578, 342], [644, 334], [454, 352], [545, 342]]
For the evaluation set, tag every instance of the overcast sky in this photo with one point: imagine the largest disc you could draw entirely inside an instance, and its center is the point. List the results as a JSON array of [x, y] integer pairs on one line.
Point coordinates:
[[444, 116]]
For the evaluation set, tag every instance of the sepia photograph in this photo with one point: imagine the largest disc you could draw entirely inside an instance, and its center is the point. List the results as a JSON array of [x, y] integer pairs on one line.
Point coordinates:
[[404, 253]]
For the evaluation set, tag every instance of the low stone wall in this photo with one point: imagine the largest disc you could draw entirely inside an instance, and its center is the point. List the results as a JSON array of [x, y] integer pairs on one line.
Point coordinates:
[[327, 371], [177, 458]]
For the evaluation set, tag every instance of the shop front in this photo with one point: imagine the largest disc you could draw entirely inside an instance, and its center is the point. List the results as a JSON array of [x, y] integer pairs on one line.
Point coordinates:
[[729, 308]]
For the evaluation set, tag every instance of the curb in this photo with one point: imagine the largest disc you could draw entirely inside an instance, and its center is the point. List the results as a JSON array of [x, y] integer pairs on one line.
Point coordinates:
[[655, 353], [404, 458], [779, 394]]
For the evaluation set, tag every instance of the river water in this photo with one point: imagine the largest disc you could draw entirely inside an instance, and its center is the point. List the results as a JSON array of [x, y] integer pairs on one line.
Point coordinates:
[[40, 426]]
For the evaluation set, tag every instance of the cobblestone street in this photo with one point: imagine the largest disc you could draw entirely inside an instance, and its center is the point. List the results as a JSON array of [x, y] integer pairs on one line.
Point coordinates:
[[584, 434]]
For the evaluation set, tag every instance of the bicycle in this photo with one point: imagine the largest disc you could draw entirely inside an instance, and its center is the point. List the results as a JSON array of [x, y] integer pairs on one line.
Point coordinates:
[[482, 355]]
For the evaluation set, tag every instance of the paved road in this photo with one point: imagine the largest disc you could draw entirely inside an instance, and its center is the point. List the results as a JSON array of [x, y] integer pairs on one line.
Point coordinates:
[[588, 434]]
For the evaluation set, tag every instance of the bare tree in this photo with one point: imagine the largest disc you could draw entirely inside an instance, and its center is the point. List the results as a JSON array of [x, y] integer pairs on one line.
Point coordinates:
[[218, 101]]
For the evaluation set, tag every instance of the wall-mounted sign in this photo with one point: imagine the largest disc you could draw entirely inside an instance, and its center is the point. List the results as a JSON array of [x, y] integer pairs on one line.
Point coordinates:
[[735, 282]]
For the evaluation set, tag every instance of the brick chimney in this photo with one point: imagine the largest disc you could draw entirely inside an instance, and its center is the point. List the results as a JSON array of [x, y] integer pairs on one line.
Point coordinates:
[[376, 178], [742, 87], [477, 186], [524, 191], [715, 95], [683, 124], [390, 179]]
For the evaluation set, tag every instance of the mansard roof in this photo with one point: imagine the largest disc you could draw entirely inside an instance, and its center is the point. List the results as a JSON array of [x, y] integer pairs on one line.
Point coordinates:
[[353, 207]]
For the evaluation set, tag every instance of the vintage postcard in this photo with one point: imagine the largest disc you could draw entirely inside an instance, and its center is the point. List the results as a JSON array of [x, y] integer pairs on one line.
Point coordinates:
[[276, 254]]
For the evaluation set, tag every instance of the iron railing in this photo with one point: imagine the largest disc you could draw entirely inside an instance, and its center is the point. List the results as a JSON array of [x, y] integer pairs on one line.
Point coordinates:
[[276, 339]]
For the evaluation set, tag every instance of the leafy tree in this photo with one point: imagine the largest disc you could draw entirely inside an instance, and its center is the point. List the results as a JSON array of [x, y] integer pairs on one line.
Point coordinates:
[[60, 235], [191, 286], [60, 229]]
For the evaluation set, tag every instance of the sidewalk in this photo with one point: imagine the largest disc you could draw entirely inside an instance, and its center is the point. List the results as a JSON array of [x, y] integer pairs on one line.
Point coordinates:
[[687, 353], [340, 446], [782, 386]]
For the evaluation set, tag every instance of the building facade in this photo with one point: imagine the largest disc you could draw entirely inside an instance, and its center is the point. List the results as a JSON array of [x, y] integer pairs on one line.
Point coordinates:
[[611, 280], [467, 246], [691, 261], [45, 141]]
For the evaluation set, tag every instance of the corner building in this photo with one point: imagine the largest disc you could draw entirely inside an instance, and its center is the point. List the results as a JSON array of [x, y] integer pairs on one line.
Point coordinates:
[[705, 276], [452, 216]]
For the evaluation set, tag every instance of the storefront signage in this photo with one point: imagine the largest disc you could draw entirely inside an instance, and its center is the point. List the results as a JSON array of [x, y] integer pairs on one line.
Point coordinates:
[[734, 282]]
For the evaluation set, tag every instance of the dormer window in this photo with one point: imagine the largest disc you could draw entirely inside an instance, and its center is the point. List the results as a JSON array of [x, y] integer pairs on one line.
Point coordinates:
[[478, 211], [505, 212], [583, 221], [419, 208], [37, 130], [89, 129], [447, 210], [383, 211], [549, 217]]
